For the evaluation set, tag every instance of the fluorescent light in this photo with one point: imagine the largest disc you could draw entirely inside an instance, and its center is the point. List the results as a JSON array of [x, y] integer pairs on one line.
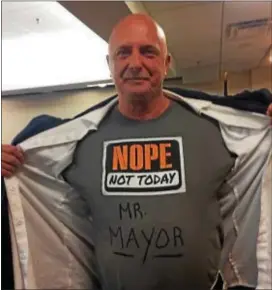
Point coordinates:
[[100, 85], [71, 55]]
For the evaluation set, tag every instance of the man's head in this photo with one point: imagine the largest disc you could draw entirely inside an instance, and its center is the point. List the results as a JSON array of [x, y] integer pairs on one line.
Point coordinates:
[[138, 56]]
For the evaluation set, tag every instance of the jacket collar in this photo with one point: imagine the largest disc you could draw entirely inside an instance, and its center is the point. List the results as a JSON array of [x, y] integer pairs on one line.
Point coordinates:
[[76, 129]]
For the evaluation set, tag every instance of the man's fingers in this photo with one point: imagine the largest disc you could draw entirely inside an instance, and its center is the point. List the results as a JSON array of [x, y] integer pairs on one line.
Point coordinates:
[[10, 159], [269, 113], [6, 173], [8, 148], [9, 168], [20, 154], [269, 110], [13, 150]]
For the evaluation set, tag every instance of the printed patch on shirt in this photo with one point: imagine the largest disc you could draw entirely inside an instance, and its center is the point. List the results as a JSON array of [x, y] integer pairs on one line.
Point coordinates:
[[153, 166]]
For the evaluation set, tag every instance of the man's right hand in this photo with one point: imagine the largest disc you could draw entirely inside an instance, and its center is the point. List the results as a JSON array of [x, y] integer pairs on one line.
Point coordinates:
[[12, 158]]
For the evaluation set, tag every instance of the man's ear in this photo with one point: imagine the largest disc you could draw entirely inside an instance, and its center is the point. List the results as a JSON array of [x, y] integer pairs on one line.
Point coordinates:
[[168, 62]]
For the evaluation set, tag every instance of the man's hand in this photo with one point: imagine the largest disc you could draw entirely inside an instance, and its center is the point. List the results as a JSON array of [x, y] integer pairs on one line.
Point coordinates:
[[12, 158], [269, 112]]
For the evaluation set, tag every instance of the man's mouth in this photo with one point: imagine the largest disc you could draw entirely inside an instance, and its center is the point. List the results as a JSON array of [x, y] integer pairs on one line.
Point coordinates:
[[136, 79]]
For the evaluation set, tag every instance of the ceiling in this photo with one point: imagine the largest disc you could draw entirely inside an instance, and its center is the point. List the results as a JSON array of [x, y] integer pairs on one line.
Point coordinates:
[[207, 37], [22, 18], [44, 45], [204, 38]]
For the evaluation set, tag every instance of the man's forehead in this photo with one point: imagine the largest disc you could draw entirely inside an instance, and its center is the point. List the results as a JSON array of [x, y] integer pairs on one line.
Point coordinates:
[[137, 44], [135, 40], [135, 34]]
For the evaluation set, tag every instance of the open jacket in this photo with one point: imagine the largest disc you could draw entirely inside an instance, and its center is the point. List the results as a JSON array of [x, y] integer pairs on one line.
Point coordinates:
[[49, 220]]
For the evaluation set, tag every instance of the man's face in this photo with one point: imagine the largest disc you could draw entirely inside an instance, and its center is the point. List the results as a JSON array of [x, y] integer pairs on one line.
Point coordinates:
[[138, 60]]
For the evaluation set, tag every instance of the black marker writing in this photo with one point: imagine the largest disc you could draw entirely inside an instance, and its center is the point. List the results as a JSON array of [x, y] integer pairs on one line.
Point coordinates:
[[126, 240], [131, 211], [162, 239]]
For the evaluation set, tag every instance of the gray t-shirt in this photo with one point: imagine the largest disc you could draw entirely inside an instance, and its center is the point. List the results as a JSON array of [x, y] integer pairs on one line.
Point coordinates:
[[152, 189]]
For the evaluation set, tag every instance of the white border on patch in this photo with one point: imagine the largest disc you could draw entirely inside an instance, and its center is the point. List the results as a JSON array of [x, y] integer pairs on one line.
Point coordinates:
[[182, 189]]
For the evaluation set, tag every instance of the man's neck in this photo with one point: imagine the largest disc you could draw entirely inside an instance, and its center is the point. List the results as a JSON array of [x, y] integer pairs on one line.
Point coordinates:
[[143, 108]]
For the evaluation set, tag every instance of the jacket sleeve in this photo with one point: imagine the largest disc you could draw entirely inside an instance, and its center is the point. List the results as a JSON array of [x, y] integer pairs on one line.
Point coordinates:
[[254, 101]]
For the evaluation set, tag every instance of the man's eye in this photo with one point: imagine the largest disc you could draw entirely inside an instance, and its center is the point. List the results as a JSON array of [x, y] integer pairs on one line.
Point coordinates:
[[149, 54], [123, 53]]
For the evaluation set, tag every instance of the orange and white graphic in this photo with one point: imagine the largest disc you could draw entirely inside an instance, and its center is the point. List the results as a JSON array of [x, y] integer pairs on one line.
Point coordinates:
[[145, 166]]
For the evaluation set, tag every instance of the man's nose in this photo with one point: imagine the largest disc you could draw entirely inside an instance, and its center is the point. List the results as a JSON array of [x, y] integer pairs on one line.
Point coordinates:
[[135, 60]]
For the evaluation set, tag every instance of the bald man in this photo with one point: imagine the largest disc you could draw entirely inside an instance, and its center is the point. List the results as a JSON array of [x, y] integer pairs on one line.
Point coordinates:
[[158, 227], [168, 201]]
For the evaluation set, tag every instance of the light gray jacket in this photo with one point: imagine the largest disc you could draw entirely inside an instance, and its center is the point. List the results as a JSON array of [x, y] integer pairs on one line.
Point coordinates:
[[49, 219]]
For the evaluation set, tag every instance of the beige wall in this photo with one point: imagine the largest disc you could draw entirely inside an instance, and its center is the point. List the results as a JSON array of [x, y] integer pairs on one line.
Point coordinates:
[[262, 77], [18, 111], [254, 79]]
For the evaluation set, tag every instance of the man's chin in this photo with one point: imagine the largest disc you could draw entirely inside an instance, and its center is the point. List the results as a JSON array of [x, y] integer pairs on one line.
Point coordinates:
[[140, 89], [139, 93]]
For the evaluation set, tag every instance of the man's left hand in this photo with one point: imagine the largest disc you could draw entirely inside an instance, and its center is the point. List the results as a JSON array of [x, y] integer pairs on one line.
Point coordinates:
[[269, 112]]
